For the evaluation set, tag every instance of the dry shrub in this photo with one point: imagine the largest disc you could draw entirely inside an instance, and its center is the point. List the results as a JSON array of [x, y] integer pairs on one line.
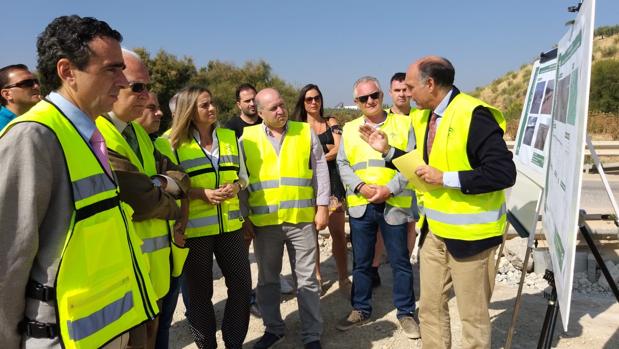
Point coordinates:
[[603, 126]]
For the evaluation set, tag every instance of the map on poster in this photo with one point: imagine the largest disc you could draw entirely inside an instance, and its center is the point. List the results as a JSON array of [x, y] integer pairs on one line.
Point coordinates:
[[531, 147], [566, 153]]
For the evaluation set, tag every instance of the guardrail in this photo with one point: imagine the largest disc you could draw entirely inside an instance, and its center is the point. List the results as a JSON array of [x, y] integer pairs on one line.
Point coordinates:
[[602, 148]]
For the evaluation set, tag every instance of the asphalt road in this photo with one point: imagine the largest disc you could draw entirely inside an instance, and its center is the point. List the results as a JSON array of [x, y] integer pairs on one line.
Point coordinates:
[[594, 197]]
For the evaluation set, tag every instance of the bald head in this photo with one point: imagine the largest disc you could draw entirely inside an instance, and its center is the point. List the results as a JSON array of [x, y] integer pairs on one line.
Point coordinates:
[[132, 100], [437, 68], [428, 80], [271, 108]]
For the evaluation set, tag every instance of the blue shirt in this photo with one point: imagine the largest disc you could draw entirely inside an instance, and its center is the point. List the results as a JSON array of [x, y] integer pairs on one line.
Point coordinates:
[[5, 117], [84, 124]]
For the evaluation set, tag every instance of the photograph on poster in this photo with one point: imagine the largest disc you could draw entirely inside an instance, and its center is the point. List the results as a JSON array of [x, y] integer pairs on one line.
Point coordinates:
[[548, 94], [540, 138], [528, 132], [563, 93], [537, 97]]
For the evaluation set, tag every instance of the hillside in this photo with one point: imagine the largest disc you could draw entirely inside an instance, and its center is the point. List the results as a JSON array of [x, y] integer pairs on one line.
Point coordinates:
[[508, 91]]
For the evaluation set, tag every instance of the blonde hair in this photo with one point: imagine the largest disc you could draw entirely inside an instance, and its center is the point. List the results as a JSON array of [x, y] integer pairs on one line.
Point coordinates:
[[186, 110]]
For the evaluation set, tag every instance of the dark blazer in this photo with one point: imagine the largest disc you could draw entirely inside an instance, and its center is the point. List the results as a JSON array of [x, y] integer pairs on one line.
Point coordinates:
[[493, 169]]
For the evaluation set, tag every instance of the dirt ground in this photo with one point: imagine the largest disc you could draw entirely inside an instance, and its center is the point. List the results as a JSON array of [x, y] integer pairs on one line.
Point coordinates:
[[594, 321]]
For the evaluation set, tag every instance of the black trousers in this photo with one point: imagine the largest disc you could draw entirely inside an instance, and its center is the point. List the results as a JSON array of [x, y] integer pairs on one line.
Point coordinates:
[[231, 254]]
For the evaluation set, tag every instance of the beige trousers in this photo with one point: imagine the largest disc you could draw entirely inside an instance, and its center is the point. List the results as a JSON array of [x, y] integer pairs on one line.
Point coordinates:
[[472, 280], [119, 342]]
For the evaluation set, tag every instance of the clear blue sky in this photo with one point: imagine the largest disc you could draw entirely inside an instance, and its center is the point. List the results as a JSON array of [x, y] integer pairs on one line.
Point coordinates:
[[330, 43]]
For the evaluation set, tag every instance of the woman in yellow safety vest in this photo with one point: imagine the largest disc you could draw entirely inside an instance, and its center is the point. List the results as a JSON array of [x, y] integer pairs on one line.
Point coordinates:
[[309, 108], [210, 156]]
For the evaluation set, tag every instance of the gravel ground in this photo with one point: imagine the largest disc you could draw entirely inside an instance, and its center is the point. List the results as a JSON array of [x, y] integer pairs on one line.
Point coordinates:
[[594, 321]]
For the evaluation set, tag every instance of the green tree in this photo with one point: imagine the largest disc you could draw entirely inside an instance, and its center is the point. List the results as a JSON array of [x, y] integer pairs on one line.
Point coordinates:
[[222, 78], [604, 94], [170, 74]]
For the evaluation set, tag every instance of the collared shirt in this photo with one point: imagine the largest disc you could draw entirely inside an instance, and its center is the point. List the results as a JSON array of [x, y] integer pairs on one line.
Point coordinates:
[[320, 179], [119, 124], [6, 116], [450, 179], [84, 124], [213, 156]]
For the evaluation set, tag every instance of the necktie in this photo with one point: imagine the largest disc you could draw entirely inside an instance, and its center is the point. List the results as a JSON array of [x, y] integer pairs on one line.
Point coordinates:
[[100, 149], [431, 132], [131, 138]]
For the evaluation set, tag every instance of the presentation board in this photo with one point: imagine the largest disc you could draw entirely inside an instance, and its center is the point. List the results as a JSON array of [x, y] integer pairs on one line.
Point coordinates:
[[530, 150], [566, 152], [531, 147]]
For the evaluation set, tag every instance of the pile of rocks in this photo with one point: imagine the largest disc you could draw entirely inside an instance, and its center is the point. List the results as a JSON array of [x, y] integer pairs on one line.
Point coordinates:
[[507, 274]]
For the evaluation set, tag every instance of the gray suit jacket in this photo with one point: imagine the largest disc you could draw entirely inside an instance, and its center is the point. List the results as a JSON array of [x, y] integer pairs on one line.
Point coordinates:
[[35, 212], [393, 215]]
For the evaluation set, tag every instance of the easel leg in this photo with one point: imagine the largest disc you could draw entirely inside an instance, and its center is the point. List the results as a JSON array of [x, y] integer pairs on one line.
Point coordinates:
[[512, 326], [550, 320], [585, 230]]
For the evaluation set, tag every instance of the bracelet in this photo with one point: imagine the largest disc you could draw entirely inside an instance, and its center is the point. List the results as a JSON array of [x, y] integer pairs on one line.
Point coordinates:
[[359, 186]]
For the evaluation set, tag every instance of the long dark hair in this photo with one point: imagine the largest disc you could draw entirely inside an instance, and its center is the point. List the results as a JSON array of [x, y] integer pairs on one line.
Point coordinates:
[[300, 114]]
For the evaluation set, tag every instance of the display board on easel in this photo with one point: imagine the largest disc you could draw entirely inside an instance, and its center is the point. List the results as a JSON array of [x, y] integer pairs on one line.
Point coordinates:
[[531, 147], [566, 152]]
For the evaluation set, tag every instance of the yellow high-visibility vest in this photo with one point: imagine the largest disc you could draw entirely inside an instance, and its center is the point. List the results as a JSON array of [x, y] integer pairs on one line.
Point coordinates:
[[162, 143], [369, 165], [154, 232], [451, 213], [102, 287], [280, 186], [204, 218], [179, 254]]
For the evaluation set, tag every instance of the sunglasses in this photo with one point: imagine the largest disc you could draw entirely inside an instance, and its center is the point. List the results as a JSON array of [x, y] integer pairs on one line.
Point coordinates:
[[138, 87], [315, 99], [364, 99], [28, 83]]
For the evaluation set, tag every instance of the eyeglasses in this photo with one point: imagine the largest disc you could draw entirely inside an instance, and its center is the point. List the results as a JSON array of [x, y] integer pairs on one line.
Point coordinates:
[[28, 83], [364, 99], [316, 99], [138, 87]]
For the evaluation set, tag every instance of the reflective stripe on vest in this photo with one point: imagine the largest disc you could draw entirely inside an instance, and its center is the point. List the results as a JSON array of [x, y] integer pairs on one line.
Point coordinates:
[[155, 244], [91, 279], [204, 218], [451, 213], [90, 186], [280, 185], [465, 218], [84, 327], [369, 165], [159, 258]]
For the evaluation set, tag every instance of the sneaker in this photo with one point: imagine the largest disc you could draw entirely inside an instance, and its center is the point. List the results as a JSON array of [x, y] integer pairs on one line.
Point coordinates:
[[375, 277], [285, 286], [410, 327], [313, 345], [355, 318], [268, 340]]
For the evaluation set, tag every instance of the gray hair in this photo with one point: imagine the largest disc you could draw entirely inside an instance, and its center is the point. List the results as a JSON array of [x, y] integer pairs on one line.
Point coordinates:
[[172, 103], [129, 52], [361, 80]]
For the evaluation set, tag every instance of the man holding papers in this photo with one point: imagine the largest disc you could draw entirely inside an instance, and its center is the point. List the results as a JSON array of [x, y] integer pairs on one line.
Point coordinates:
[[463, 215]]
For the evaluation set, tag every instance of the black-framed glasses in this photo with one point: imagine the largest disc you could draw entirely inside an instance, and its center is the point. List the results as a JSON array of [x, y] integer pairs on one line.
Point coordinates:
[[28, 83], [316, 99], [138, 87], [364, 99]]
